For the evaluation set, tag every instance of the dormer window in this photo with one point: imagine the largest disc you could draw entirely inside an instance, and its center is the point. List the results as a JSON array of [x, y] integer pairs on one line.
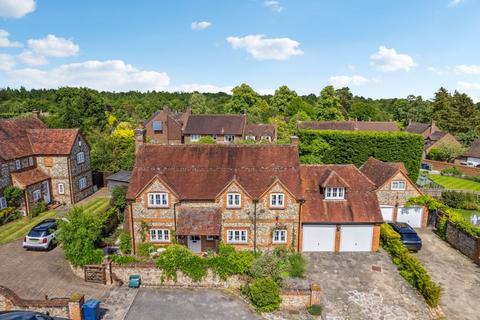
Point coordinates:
[[277, 200], [334, 193], [234, 200], [399, 185]]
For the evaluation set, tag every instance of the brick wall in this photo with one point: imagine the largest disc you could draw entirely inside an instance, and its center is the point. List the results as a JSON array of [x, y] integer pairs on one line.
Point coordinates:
[[439, 165]]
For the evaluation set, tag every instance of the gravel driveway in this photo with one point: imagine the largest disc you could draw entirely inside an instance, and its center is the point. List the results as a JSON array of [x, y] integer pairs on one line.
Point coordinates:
[[352, 290], [457, 274]]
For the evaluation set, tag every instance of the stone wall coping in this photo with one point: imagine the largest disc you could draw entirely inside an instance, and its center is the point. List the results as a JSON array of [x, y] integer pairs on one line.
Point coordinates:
[[24, 303], [290, 291]]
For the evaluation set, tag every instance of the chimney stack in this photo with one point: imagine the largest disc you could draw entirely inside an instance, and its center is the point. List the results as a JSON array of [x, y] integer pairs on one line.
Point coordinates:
[[140, 135], [294, 140]]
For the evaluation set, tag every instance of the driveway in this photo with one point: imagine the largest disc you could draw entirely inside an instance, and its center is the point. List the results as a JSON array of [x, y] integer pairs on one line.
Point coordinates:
[[34, 274], [187, 304], [457, 274], [353, 290]]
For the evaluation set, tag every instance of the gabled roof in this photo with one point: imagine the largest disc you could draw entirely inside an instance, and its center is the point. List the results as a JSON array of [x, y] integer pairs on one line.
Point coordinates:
[[388, 126], [216, 124], [201, 172], [417, 127], [474, 150], [380, 172], [360, 204], [332, 179]]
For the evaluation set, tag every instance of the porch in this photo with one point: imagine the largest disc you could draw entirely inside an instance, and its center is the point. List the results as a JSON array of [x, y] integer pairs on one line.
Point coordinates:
[[36, 186], [199, 228]]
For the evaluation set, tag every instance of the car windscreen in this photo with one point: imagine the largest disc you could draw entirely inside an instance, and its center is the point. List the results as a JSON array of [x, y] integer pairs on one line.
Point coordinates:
[[36, 233]]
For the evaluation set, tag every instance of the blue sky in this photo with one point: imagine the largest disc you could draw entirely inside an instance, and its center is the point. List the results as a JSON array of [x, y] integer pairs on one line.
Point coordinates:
[[378, 48]]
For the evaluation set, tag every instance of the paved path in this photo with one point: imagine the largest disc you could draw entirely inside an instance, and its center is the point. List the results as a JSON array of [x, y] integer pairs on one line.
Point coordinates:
[[352, 290], [34, 274], [457, 274]]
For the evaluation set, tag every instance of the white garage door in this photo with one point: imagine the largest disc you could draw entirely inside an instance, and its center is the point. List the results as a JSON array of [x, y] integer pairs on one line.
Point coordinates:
[[356, 238], [410, 215], [387, 213], [318, 238]]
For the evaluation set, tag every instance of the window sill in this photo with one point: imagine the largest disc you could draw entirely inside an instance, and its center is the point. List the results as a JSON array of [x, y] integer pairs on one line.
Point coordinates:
[[240, 207], [276, 208], [158, 207], [237, 243]]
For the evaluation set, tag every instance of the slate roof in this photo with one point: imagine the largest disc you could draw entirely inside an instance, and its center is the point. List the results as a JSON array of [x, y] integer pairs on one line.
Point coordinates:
[[199, 221], [417, 127], [360, 204], [201, 172], [380, 172], [122, 176], [29, 177], [387, 126], [219, 124], [259, 130]]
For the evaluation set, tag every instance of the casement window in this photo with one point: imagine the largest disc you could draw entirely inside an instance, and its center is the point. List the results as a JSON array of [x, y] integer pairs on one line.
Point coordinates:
[[234, 200], [237, 236], [268, 138], [80, 157], [159, 235], [229, 138], [37, 194], [399, 185], [3, 203], [30, 161], [157, 126], [61, 188], [18, 164], [334, 193], [82, 183], [277, 200], [279, 236], [250, 138], [158, 199], [195, 138]]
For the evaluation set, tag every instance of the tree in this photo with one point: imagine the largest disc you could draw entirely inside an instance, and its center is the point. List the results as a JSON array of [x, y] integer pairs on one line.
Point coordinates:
[[328, 105], [243, 99], [198, 103], [442, 108], [345, 97], [364, 111], [283, 99]]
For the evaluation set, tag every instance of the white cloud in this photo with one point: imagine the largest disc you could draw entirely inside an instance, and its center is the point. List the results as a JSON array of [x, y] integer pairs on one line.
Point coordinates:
[[386, 59], [53, 46], [202, 25], [469, 85], [454, 3], [7, 62], [262, 48], [16, 8], [347, 81], [5, 42], [468, 69], [32, 59], [273, 5], [112, 75]]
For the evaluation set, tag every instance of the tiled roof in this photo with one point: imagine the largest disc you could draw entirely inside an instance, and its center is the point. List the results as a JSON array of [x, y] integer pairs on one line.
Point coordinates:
[[360, 204], [52, 141], [474, 150], [259, 130], [349, 125], [201, 172], [199, 221], [417, 127], [215, 124], [29, 177], [379, 172]]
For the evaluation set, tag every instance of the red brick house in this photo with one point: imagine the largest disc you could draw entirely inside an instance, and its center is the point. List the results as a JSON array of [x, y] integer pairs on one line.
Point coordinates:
[[394, 188], [432, 135], [48, 164]]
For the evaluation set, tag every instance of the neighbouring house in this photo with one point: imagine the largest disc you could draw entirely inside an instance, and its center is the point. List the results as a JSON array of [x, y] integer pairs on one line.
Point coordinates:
[[472, 155], [248, 196], [432, 135], [224, 128], [394, 188], [165, 126], [48, 164], [118, 179], [385, 126]]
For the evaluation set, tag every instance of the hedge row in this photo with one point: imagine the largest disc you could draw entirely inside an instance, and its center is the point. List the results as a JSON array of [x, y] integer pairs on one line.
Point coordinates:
[[331, 146], [409, 266]]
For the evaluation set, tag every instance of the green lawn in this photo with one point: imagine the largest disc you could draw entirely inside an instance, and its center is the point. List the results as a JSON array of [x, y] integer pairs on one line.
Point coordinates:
[[453, 183]]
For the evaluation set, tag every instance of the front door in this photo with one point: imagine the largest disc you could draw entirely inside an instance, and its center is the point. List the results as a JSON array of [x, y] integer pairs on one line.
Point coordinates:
[[194, 244], [46, 194]]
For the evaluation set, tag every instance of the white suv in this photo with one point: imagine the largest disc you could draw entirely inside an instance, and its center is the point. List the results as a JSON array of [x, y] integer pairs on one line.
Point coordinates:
[[42, 236]]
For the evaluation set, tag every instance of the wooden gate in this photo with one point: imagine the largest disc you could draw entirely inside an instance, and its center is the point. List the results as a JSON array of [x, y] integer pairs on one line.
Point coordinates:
[[95, 273]]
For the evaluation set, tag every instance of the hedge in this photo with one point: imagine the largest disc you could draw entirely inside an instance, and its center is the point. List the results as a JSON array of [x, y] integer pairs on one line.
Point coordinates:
[[343, 147], [410, 267]]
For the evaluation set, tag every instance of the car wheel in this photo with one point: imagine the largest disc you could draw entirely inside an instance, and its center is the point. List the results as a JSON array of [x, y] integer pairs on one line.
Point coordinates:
[[50, 246]]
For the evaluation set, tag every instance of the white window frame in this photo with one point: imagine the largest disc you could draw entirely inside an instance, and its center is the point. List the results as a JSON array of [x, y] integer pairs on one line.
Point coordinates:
[[334, 193], [239, 236], [195, 137], [229, 138], [30, 161], [250, 138], [268, 138], [279, 236], [277, 200], [61, 188], [80, 157], [82, 183], [36, 195], [396, 185], [158, 200], [159, 235], [234, 200], [3, 203], [18, 164]]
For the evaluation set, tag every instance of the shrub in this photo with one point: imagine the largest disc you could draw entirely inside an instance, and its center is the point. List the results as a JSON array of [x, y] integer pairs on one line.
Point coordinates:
[[454, 199], [13, 195], [39, 208], [144, 249], [125, 243], [207, 140], [264, 294], [409, 267], [315, 310], [296, 266], [119, 198], [9, 214], [228, 261], [469, 205], [451, 171], [124, 259], [267, 265], [177, 257], [446, 152]]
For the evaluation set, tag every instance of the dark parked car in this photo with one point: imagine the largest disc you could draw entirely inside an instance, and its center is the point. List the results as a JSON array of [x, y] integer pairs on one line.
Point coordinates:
[[24, 315], [409, 237], [42, 236]]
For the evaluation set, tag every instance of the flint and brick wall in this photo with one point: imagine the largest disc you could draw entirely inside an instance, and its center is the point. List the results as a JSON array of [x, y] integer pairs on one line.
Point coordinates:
[[57, 169], [79, 171]]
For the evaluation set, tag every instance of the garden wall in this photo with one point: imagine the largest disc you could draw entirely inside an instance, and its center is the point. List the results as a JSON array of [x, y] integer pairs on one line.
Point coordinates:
[[439, 165]]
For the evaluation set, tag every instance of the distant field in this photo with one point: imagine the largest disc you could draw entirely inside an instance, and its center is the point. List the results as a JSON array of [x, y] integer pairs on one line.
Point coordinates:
[[453, 183]]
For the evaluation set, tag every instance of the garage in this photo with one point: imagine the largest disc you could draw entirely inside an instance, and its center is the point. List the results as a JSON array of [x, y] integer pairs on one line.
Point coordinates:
[[355, 238], [411, 215], [318, 238], [387, 213]]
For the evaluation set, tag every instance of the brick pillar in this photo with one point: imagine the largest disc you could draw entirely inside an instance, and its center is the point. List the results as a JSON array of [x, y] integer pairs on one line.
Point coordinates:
[[315, 294], [75, 307], [376, 238], [425, 217], [395, 213], [337, 239]]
